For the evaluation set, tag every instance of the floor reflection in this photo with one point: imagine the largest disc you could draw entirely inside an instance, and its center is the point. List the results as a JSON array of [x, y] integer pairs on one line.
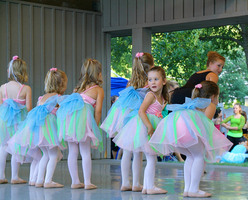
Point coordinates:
[[224, 184]]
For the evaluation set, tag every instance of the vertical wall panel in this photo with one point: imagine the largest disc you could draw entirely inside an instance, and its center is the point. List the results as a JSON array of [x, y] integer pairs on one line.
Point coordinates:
[[188, 8], [131, 12], [150, 11], [48, 39], [209, 7], [58, 39], [123, 12], [88, 36], [31, 49], [38, 80], [141, 12], [168, 9], [26, 35], [220, 6], [114, 13], [14, 30], [98, 31], [79, 47], [230, 6], [106, 10], [4, 42], [159, 10], [69, 47], [241, 5], [178, 9], [198, 8]]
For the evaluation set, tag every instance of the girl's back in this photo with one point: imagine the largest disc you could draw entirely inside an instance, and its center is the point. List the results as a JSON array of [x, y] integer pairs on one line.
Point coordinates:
[[14, 90]]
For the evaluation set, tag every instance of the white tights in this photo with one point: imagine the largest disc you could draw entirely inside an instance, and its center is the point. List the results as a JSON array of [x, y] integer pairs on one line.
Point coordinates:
[[14, 165], [136, 168], [47, 164], [3, 157], [33, 174], [149, 174], [85, 151], [193, 166]]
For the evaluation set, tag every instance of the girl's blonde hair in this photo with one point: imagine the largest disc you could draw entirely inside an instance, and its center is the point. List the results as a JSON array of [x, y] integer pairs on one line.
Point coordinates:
[[90, 73], [55, 81], [214, 56], [141, 65], [205, 89], [160, 70], [17, 70]]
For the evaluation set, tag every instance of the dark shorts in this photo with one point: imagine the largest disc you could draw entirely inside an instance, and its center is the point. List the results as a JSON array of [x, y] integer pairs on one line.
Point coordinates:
[[234, 140]]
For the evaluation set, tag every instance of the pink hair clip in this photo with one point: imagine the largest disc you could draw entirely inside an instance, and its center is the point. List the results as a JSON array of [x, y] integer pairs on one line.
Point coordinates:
[[53, 69], [15, 57], [139, 54], [198, 86]]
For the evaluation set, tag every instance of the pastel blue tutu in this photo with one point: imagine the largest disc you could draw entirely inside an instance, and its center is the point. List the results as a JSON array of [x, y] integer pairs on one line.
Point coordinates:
[[11, 116], [126, 106], [76, 121]]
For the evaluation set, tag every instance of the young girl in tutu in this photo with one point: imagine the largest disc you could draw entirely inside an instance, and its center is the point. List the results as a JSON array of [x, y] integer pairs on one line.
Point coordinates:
[[143, 126], [78, 118], [130, 100], [189, 131], [39, 133], [16, 101]]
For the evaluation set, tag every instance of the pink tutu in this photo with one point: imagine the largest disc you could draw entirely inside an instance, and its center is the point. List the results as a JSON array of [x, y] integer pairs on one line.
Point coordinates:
[[133, 136], [184, 128]]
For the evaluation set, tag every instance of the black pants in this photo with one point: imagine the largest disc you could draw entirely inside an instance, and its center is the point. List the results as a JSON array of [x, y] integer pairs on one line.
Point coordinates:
[[234, 140]]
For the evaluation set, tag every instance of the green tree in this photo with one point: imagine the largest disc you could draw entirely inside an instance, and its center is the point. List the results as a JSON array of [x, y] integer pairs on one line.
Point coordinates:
[[180, 53], [183, 53], [233, 81], [228, 38], [121, 56]]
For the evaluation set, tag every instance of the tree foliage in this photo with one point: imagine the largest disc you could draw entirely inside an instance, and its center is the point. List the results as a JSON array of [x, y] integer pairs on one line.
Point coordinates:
[[121, 56], [182, 53]]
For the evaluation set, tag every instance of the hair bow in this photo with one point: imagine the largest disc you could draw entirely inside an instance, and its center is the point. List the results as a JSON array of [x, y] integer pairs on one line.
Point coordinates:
[[198, 86], [15, 57], [139, 54], [53, 69]]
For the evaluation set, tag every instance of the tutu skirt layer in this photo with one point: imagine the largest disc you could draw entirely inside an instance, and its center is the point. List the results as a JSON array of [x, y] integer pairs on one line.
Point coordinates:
[[11, 116], [77, 123], [184, 128], [128, 101], [134, 137], [26, 143]]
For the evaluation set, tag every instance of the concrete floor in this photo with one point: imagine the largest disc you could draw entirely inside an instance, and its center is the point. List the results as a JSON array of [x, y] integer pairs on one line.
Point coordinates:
[[224, 182]]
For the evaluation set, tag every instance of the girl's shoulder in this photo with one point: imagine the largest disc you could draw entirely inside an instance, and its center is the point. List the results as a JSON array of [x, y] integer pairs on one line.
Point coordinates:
[[150, 96]]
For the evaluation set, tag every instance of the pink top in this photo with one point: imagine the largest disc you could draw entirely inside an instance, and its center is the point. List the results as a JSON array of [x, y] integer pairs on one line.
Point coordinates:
[[20, 101], [217, 126], [88, 99], [155, 108]]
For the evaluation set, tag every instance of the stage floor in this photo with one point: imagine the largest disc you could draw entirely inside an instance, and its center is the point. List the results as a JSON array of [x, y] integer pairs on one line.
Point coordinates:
[[224, 182]]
